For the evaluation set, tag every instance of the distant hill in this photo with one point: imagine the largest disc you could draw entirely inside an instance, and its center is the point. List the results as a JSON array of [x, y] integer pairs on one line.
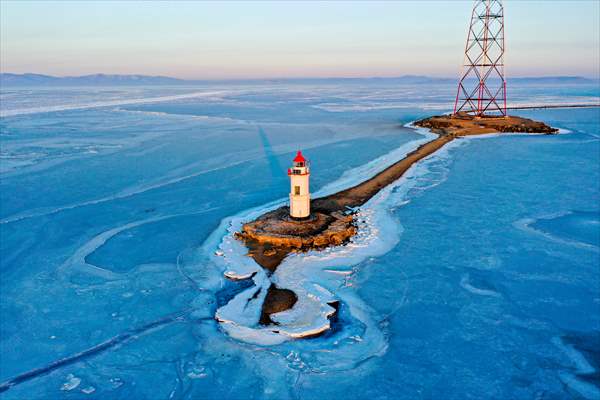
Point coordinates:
[[29, 79], [7, 79], [404, 79]]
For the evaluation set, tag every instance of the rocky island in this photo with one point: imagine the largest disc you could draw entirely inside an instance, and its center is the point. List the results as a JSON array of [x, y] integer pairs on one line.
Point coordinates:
[[272, 236]]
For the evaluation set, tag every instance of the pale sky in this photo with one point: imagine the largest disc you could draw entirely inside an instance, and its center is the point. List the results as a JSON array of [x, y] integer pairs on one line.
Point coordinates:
[[210, 40]]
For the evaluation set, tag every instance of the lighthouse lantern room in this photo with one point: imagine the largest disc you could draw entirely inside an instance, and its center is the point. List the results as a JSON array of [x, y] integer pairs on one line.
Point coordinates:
[[299, 194]]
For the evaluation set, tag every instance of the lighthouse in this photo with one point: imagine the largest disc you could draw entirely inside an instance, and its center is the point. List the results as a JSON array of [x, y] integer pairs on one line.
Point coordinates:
[[299, 189]]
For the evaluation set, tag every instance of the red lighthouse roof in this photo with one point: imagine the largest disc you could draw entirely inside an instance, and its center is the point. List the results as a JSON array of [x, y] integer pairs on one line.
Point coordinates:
[[299, 158]]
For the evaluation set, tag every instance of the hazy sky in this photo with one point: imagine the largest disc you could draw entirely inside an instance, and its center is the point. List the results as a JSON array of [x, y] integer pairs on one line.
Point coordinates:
[[288, 39]]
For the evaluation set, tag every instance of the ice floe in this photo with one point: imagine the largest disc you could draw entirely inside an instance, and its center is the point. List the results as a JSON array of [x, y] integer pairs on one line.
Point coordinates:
[[581, 366], [559, 234], [71, 383]]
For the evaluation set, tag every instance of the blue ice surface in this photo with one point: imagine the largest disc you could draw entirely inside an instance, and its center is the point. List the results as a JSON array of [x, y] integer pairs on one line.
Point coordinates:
[[493, 290]]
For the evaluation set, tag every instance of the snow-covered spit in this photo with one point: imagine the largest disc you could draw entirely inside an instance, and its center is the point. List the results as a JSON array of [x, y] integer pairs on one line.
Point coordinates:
[[318, 278]]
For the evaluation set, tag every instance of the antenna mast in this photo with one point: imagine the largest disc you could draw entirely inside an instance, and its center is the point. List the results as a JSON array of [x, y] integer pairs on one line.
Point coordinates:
[[482, 86]]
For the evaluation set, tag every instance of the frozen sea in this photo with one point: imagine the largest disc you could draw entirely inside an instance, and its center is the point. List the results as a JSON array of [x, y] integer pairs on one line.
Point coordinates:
[[477, 275]]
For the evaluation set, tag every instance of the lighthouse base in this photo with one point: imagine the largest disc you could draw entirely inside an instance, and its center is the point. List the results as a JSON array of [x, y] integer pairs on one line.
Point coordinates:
[[310, 217], [277, 229]]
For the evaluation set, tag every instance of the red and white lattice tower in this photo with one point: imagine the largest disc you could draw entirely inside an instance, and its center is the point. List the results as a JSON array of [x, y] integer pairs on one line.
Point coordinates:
[[482, 87]]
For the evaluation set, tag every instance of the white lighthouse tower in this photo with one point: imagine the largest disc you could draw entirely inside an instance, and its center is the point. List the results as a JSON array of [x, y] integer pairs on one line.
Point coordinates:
[[299, 194]]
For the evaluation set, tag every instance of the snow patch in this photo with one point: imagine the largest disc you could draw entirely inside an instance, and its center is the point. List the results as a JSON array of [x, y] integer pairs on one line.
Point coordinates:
[[88, 390], [466, 284], [71, 383]]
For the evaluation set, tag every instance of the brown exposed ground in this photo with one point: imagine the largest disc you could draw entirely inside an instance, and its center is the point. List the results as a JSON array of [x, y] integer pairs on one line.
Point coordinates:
[[272, 236], [277, 300], [275, 231], [359, 194]]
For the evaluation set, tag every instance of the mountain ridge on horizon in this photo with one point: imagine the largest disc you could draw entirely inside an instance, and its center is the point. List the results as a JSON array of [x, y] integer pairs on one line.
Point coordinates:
[[100, 79]]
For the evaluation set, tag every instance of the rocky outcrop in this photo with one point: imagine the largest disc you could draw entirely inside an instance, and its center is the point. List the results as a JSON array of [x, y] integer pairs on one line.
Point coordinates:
[[277, 300], [276, 230]]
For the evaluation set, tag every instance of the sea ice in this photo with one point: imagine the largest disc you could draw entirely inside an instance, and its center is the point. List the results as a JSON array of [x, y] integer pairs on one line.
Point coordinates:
[[82, 238]]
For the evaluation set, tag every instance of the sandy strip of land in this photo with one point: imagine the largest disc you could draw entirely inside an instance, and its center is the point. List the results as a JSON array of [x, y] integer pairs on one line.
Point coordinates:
[[361, 193]]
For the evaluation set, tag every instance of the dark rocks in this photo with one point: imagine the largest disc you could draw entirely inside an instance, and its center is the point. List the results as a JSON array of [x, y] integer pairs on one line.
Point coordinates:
[[277, 300], [276, 231]]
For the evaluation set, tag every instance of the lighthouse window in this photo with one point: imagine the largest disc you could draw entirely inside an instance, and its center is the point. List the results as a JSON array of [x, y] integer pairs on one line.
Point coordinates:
[[297, 190]]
